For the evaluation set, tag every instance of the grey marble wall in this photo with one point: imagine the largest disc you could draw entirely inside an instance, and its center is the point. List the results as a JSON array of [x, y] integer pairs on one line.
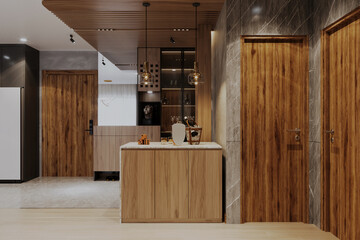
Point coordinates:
[[275, 17], [65, 60]]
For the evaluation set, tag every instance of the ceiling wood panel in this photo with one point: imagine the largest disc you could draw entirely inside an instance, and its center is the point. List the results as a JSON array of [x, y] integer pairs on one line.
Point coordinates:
[[126, 18]]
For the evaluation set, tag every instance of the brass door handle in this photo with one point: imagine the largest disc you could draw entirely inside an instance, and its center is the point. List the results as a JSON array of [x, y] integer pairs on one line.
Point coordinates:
[[297, 130], [331, 131]]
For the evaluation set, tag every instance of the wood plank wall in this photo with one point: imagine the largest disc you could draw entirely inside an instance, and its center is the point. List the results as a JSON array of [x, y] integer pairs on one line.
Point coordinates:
[[203, 90]]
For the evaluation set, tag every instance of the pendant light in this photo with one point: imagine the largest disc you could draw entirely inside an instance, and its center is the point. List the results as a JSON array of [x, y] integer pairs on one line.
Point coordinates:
[[146, 77], [195, 76]]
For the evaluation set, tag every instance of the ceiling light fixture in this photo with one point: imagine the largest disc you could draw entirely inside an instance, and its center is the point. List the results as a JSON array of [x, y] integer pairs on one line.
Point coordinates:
[[172, 40], [146, 77], [6, 57], [23, 40], [195, 76], [72, 38]]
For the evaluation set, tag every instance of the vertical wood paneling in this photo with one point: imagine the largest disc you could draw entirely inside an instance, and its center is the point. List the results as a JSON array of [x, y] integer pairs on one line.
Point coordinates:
[[274, 98], [340, 105], [172, 184], [137, 184], [203, 90], [69, 101], [205, 184]]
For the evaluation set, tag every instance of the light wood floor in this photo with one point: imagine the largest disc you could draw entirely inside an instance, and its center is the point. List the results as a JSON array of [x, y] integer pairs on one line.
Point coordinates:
[[70, 224]]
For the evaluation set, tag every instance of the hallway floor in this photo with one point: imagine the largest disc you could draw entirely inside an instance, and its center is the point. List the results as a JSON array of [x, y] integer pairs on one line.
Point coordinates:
[[60, 192], [35, 224]]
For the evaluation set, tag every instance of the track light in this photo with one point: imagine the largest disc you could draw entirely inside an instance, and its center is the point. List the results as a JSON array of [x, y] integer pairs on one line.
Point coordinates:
[[72, 38], [103, 61], [172, 40]]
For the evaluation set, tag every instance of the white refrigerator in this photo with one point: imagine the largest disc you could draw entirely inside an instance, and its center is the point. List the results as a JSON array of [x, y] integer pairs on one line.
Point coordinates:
[[10, 134]]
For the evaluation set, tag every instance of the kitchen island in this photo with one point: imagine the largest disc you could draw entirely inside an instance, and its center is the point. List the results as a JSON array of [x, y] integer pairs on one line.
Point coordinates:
[[168, 183]]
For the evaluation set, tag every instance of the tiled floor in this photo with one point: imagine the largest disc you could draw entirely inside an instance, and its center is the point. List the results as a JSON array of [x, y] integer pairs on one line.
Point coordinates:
[[58, 192]]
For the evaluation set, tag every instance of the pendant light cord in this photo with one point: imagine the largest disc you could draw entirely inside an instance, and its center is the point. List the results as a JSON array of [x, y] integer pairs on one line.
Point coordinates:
[[196, 33], [146, 46]]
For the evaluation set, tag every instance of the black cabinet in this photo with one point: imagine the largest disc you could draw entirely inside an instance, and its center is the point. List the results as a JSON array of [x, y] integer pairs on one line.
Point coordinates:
[[19, 67]]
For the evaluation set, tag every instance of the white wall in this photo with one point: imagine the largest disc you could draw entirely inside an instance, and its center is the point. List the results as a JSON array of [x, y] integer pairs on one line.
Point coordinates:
[[117, 105], [117, 100]]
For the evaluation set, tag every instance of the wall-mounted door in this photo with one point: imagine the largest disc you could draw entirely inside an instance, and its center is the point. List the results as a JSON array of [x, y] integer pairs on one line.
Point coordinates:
[[69, 102], [274, 129], [340, 127]]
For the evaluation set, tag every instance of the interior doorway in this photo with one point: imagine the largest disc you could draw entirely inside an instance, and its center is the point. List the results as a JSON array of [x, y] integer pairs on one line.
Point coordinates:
[[69, 103], [340, 207], [274, 129]]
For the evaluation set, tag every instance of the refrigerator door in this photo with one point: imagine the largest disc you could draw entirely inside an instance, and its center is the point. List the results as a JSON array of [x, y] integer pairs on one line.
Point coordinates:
[[10, 134]]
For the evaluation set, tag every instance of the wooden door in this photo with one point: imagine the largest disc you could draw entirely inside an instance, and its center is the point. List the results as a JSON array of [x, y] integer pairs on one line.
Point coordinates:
[[205, 185], [137, 185], [69, 102], [172, 184], [274, 103], [340, 128]]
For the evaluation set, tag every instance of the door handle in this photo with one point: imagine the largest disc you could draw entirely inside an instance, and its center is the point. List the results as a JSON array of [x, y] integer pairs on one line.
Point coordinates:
[[331, 132], [91, 127], [297, 133], [297, 130]]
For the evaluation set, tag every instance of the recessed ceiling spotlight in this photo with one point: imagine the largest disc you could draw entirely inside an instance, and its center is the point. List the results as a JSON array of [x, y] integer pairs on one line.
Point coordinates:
[[23, 40], [172, 40], [149, 91], [6, 57], [174, 70], [72, 38]]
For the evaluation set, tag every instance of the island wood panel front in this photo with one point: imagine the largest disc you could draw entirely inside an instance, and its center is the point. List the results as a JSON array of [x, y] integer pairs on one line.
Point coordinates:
[[137, 184], [187, 186], [340, 104], [274, 102], [172, 184], [69, 102], [205, 184]]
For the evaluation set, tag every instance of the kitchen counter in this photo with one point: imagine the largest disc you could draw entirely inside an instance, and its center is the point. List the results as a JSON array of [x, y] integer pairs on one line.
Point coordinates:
[[171, 184], [158, 145]]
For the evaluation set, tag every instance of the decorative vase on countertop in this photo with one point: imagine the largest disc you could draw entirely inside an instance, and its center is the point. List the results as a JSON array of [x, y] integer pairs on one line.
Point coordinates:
[[178, 133]]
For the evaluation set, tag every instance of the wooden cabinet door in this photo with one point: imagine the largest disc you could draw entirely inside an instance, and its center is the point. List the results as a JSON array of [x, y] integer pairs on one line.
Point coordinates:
[[205, 185], [274, 129], [172, 184], [104, 154], [137, 184]]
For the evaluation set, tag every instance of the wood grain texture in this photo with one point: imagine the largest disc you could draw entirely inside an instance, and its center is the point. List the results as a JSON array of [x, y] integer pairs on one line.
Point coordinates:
[[203, 90], [172, 184], [126, 18], [340, 104], [108, 139], [69, 101], [187, 186], [137, 184], [274, 99], [205, 184]]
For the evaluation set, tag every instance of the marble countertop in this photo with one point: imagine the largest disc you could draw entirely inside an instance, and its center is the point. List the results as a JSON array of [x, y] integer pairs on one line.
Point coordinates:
[[158, 145]]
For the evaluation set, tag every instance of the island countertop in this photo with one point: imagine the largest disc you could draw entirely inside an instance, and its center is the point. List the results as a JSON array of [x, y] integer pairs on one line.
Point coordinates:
[[158, 145]]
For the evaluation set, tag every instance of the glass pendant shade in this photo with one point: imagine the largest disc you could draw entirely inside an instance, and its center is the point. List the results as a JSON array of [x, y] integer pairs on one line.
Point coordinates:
[[146, 77], [194, 78]]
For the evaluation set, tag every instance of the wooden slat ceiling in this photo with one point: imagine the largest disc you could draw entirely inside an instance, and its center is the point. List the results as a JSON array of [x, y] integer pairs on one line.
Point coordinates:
[[126, 19]]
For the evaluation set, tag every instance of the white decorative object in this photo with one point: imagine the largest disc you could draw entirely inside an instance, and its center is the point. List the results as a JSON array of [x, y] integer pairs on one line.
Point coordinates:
[[178, 133]]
